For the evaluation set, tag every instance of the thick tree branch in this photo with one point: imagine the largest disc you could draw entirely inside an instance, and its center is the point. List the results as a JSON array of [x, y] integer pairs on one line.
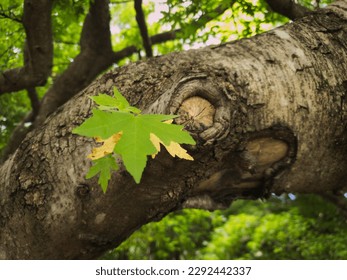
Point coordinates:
[[141, 22], [38, 49], [288, 8], [95, 57]]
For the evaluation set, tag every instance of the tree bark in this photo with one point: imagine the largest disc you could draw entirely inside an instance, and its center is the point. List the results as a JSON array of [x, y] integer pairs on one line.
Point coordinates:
[[268, 114]]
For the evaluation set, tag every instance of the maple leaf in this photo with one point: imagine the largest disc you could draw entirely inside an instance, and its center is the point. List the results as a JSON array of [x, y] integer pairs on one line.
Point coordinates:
[[104, 166], [103, 124], [123, 130], [116, 103], [173, 148], [135, 144], [106, 148]]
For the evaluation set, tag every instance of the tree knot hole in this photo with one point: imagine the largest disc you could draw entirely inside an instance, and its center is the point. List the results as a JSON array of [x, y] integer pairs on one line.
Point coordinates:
[[82, 190], [266, 151], [196, 114]]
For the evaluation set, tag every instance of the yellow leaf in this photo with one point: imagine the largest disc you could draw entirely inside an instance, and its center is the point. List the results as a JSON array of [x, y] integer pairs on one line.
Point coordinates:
[[156, 143], [174, 148], [106, 148]]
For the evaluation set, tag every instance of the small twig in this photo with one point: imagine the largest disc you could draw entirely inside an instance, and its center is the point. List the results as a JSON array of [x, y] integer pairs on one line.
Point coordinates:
[[66, 42], [121, 2], [317, 4], [141, 22], [9, 15], [169, 35]]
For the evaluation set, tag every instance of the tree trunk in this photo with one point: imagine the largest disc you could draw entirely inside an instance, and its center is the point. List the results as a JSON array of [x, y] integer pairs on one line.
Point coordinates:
[[268, 114]]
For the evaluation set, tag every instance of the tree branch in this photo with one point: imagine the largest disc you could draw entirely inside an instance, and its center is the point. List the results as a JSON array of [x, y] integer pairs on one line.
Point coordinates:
[[121, 2], [170, 35], [38, 49], [34, 100], [288, 8], [95, 57], [141, 22], [9, 15]]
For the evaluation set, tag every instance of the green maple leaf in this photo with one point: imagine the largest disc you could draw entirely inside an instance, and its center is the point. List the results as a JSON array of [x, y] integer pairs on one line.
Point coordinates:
[[104, 124], [104, 166], [116, 103], [134, 145]]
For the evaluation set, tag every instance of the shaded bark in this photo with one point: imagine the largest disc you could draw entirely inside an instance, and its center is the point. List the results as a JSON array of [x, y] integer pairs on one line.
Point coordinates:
[[275, 122]]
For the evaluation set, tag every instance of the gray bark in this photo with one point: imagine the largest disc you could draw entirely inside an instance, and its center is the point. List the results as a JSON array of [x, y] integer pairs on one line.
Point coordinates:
[[274, 121]]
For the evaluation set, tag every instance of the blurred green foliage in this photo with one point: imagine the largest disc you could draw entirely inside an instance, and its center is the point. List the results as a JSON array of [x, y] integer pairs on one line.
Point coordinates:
[[305, 228]]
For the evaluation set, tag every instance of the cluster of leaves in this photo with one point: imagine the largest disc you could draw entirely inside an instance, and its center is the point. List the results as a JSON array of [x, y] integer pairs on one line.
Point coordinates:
[[201, 22], [67, 18], [13, 108], [305, 228], [178, 236], [127, 133]]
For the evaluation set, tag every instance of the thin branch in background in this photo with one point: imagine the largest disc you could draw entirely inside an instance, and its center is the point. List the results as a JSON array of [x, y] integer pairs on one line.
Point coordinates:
[[34, 100], [65, 42], [288, 8], [121, 2], [96, 56], [141, 22], [317, 4], [170, 35], [127, 51], [9, 15]]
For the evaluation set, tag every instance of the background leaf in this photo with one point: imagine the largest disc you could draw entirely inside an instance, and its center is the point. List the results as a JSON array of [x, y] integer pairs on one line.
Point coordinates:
[[104, 166]]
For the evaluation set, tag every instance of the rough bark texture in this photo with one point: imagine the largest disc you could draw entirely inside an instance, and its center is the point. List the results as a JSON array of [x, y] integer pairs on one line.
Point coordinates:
[[275, 121]]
